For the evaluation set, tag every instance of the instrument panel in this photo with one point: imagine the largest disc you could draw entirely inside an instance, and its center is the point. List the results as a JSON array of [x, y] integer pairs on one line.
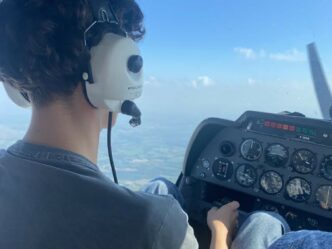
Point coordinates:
[[289, 169], [299, 175]]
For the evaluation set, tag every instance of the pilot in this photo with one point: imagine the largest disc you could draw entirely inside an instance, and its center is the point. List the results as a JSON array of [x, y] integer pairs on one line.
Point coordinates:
[[52, 194]]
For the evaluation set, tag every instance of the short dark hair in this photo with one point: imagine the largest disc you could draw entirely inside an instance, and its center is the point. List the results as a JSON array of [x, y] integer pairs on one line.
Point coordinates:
[[42, 43]]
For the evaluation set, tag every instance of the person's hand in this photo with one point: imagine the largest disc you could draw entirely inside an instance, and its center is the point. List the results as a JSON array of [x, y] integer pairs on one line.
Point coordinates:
[[223, 221]]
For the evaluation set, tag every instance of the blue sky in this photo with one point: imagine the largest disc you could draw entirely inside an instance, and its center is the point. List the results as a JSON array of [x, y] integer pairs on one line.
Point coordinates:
[[220, 58], [250, 52], [195, 37]]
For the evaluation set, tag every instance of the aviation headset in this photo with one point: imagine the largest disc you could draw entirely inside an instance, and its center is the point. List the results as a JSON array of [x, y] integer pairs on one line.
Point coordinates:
[[114, 76]]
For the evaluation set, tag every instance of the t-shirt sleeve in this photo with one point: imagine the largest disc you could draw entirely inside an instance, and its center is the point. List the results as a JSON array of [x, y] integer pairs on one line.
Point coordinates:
[[175, 231]]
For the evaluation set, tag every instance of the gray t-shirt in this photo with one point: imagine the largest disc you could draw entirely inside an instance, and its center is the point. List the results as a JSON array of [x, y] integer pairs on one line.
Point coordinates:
[[52, 198]]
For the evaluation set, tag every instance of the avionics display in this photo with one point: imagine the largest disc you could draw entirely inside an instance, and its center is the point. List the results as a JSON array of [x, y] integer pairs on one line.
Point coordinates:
[[289, 127], [306, 133]]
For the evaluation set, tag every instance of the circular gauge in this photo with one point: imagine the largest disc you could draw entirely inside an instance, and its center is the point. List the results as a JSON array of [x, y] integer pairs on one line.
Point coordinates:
[[271, 182], [251, 150], [276, 155], [304, 161], [324, 196], [326, 167], [246, 175], [222, 169], [298, 189]]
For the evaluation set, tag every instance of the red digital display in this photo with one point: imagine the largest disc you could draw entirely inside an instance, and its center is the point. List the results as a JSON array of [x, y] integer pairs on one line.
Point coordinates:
[[275, 125], [288, 127], [291, 128]]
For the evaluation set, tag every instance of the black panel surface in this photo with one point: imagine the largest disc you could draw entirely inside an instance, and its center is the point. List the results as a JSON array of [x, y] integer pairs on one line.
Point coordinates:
[[271, 162]]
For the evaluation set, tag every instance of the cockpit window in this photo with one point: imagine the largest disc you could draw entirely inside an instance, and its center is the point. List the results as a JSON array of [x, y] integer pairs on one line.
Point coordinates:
[[211, 59]]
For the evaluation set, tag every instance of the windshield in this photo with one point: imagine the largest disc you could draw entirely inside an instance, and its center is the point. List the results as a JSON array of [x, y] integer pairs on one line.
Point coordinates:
[[208, 59]]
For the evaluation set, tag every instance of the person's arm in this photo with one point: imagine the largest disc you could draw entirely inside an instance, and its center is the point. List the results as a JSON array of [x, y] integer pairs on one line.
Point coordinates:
[[218, 240], [175, 231], [222, 223]]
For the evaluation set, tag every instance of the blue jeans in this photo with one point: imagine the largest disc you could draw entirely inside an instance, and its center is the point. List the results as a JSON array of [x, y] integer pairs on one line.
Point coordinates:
[[162, 186], [304, 240], [259, 230], [262, 231]]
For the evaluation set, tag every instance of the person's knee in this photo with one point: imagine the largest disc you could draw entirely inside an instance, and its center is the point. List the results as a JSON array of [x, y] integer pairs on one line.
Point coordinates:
[[164, 185], [266, 220], [157, 187], [262, 216], [259, 230], [162, 180]]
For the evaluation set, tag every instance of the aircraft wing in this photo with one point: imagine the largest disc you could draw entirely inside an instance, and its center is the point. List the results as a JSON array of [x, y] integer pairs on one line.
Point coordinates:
[[322, 89]]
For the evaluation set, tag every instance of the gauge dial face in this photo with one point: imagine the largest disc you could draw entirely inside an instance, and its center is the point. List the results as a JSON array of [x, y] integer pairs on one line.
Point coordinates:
[[326, 167], [251, 150], [271, 182], [222, 169], [246, 175], [276, 155], [324, 197], [298, 189], [304, 161]]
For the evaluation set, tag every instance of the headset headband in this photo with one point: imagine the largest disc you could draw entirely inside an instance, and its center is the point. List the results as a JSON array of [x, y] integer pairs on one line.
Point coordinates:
[[103, 13]]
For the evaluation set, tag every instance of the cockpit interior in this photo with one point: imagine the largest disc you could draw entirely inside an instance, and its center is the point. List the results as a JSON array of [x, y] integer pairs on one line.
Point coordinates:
[[272, 162], [241, 63]]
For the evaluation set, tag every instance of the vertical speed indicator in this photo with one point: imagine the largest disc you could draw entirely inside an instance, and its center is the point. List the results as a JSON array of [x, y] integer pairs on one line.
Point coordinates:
[[304, 161]]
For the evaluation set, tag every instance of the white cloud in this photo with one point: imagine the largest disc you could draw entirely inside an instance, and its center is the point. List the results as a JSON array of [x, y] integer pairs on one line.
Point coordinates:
[[140, 161], [135, 184], [251, 82], [248, 53], [262, 53], [292, 55], [152, 80], [202, 81]]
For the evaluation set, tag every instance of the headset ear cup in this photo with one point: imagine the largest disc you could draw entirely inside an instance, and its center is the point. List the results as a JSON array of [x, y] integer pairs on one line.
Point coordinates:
[[19, 98], [116, 66]]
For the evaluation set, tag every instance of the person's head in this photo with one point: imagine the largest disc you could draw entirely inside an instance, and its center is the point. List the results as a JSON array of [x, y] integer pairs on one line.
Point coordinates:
[[42, 49]]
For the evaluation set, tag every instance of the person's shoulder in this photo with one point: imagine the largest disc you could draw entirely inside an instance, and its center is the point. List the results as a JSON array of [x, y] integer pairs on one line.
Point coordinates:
[[155, 208], [161, 205], [172, 229]]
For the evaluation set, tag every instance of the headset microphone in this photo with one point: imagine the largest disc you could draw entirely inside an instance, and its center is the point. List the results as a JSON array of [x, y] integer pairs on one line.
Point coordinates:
[[130, 108]]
